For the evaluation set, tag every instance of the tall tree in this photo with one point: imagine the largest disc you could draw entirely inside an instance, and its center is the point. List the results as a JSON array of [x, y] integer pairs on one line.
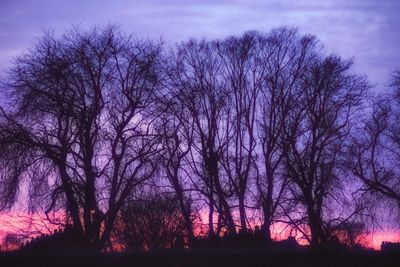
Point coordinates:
[[78, 114], [195, 77], [315, 133], [283, 58], [177, 137], [244, 81]]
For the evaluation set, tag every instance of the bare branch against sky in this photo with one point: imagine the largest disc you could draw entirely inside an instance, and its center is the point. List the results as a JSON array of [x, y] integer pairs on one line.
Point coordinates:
[[369, 30]]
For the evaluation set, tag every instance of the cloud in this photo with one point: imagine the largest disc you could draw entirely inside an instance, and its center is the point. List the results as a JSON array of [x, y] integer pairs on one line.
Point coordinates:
[[369, 30]]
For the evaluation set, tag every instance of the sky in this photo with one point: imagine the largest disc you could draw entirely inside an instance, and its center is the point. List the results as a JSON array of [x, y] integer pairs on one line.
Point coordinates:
[[366, 30]]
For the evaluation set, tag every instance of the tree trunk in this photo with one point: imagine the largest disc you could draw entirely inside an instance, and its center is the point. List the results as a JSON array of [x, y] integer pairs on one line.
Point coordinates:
[[210, 216], [72, 206], [266, 228], [242, 213], [315, 228]]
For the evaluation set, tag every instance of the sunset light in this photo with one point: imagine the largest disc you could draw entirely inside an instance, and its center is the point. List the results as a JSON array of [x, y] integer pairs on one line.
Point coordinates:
[[200, 133]]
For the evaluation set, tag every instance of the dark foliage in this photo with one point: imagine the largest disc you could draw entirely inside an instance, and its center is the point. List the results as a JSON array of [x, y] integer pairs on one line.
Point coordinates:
[[152, 223]]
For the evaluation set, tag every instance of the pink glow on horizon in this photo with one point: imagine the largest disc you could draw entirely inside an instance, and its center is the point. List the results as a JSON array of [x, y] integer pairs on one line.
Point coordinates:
[[22, 223], [25, 225], [375, 240]]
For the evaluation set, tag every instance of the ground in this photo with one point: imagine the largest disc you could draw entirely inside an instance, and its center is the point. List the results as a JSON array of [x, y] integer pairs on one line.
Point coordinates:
[[209, 258]]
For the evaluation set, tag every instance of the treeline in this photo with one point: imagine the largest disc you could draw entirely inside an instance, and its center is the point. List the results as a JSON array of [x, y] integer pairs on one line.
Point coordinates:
[[202, 137]]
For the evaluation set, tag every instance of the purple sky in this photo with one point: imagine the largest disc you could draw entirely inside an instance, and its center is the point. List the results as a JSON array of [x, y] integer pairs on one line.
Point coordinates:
[[369, 30]]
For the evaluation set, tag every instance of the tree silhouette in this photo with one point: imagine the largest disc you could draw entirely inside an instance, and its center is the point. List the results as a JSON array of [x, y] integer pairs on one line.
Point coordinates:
[[374, 155], [76, 126], [317, 129], [135, 143], [196, 84], [151, 222], [283, 60]]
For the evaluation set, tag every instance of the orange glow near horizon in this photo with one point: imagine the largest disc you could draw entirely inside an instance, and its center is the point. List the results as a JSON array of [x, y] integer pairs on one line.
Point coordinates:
[[22, 222], [26, 225]]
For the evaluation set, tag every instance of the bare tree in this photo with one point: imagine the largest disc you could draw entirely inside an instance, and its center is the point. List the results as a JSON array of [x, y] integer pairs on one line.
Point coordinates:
[[150, 222], [283, 57], [315, 133], [197, 84], [375, 154], [177, 136], [240, 70], [76, 126]]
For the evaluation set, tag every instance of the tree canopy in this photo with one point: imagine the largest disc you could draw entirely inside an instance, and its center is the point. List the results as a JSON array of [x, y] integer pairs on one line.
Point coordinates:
[[249, 130]]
